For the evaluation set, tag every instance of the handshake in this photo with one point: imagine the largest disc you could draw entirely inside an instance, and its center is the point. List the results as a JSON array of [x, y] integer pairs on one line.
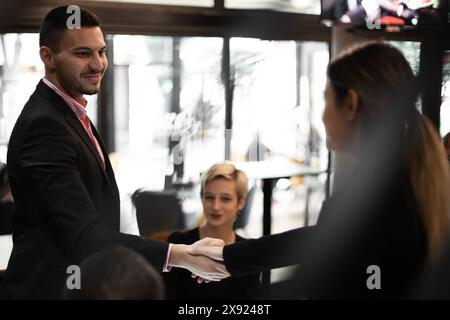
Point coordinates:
[[204, 259]]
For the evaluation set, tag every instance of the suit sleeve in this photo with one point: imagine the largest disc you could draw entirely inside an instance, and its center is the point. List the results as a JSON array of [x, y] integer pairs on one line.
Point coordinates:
[[49, 161], [268, 252]]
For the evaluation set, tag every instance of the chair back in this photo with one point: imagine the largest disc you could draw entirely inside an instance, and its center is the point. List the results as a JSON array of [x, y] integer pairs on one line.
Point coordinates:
[[157, 211]]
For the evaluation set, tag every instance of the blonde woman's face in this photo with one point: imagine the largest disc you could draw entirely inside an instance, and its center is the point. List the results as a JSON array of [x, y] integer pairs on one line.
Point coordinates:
[[220, 202]]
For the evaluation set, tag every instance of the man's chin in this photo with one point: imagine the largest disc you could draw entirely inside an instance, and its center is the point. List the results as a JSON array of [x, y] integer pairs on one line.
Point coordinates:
[[91, 91]]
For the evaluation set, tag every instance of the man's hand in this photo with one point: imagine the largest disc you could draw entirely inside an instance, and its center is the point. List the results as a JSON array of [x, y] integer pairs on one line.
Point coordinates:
[[208, 247], [201, 266]]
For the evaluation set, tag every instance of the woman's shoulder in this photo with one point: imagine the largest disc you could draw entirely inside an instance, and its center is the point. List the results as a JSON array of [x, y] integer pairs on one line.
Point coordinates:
[[184, 237], [240, 238]]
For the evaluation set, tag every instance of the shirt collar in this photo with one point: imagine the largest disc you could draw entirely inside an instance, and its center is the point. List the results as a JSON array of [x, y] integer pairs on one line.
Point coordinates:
[[78, 108]]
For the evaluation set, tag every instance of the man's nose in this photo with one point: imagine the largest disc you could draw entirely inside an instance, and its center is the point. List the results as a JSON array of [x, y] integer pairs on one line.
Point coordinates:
[[97, 63]]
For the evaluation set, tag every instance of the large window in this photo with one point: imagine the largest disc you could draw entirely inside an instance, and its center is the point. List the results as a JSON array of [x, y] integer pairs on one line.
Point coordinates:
[[170, 109], [20, 71], [170, 105], [299, 6], [277, 100], [192, 3], [445, 106]]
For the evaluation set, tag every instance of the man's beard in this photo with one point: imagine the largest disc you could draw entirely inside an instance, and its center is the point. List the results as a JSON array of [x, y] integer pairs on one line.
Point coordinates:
[[74, 85]]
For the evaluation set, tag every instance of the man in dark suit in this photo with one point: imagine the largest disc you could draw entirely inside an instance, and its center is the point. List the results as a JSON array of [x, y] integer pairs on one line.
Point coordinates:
[[67, 201]]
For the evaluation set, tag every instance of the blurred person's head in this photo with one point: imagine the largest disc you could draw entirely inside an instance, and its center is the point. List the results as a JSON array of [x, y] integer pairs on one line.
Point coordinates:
[[117, 273], [446, 142], [223, 192], [371, 89], [74, 58]]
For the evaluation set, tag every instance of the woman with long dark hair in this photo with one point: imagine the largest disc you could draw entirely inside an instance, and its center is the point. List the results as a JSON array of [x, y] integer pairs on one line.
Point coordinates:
[[377, 234]]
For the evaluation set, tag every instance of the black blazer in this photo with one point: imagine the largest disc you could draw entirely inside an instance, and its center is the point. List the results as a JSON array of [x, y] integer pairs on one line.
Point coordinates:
[[67, 206], [369, 222]]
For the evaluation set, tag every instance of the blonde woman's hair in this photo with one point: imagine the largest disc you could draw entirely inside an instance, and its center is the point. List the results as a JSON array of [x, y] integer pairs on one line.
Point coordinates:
[[228, 172], [381, 77]]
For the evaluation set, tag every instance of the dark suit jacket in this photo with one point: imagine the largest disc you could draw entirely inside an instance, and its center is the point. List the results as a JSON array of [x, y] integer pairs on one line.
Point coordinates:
[[67, 206], [372, 221]]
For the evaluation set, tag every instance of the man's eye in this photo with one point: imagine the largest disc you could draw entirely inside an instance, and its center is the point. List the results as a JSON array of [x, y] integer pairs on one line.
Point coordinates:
[[82, 54]]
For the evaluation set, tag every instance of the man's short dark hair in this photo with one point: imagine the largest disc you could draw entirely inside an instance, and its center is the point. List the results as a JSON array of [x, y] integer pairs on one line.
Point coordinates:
[[55, 23]]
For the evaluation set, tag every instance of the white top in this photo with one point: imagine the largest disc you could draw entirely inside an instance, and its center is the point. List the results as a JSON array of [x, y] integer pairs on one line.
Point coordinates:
[[6, 245]]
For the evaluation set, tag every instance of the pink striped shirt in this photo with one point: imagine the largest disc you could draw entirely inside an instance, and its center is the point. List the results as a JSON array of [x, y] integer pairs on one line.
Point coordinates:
[[80, 111]]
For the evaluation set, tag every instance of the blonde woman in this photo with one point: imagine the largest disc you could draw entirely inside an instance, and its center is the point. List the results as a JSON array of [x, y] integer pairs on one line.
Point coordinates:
[[223, 193]]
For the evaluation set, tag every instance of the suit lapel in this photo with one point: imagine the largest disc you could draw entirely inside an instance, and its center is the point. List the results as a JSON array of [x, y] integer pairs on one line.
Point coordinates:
[[72, 119], [108, 168], [76, 124]]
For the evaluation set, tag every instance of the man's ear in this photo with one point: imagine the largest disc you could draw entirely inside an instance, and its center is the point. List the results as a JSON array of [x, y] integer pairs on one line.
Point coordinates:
[[47, 57], [352, 104]]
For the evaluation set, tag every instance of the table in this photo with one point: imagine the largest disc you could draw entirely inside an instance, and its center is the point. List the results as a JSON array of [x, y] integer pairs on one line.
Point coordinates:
[[269, 171]]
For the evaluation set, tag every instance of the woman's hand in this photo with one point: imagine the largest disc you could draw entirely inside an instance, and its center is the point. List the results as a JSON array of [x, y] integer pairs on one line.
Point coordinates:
[[208, 247], [199, 265]]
